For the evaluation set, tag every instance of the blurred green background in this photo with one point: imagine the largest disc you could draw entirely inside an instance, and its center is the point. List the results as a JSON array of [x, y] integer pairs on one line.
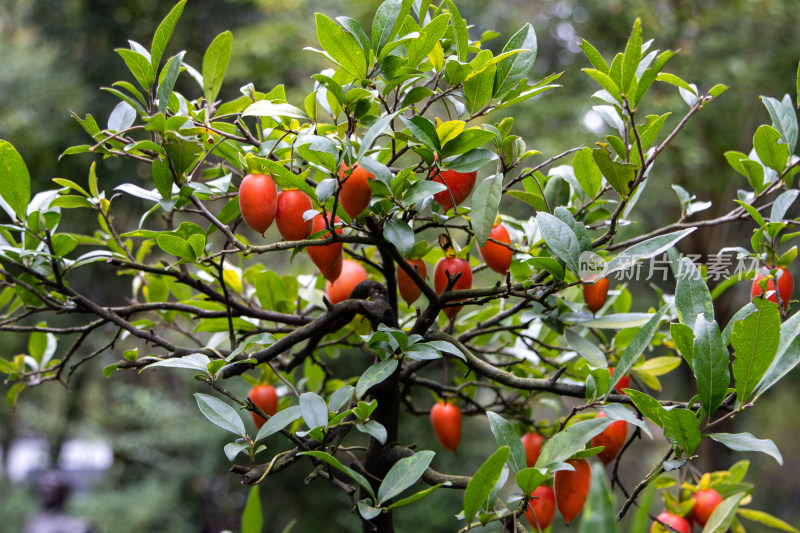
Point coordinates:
[[169, 472]]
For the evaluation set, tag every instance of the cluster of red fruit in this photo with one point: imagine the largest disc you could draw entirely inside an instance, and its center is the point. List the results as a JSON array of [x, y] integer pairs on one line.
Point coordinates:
[[571, 486], [261, 204]]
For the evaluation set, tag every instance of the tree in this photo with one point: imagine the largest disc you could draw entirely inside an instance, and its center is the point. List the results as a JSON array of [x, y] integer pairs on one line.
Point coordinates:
[[383, 173]]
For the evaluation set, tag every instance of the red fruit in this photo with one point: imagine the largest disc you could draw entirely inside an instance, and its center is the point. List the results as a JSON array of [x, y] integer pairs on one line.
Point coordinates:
[[355, 193], [705, 501], [265, 397], [352, 274], [329, 257], [674, 521], [572, 488], [496, 256], [452, 265], [258, 201], [446, 420], [408, 289], [613, 438], [543, 505], [623, 383], [595, 294], [289, 215], [532, 442], [785, 286], [460, 185]]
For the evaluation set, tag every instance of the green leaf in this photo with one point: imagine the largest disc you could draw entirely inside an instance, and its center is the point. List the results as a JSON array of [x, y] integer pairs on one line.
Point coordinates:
[[505, 435], [417, 496], [466, 141], [139, 65], [633, 53], [570, 441], [784, 118], [692, 297], [782, 204], [173, 68], [594, 56], [278, 421], [767, 519], [342, 47], [15, 180], [647, 405], [265, 108], [720, 520], [420, 190], [681, 426], [385, 24], [587, 172], [640, 341], [746, 442], [788, 355], [599, 515], [220, 413], [513, 69], [400, 234], [269, 289], [331, 460], [164, 33], [606, 82], [478, 88], [672, 79], [314, 410], [561, 239], [529, 478], [588, 350], [645, 250], [215, 63], [428, 37], [710, 361], [403, 474], [252, 520], [619, 175], [375, 374], [459, 31], [482, 483], [616, 411], [485, 203], [174, 245], [755, 340], [423, 130], [770, 151]]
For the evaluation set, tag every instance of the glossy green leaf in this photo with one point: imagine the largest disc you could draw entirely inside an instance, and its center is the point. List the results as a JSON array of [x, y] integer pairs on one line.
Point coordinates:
[[587, 349], [403, 474], [400, 234], [15, 180], [482, 483], [341, 46], [681, 426], [784, 118], [513, 69], [561, 239], [755, 340], [220, 413], [633, 53], [164, 33], [710, 362], [215, 63], [770, 148], [599, 514], [459, 32], [570, 441], [505, 435], [252, 520], [788, 355], [746, 442], [278, 421], [485, 203], [314, 410], [139, 66], [387, 22], [428, 37], [173, 68], [619, 175], [767, 519], [375, 374], [692, 297], [723, 515], [635, 348], [587, 172]]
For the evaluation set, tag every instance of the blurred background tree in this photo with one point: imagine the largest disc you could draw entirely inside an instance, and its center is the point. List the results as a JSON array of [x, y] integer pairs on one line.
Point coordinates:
[[169, 471]]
